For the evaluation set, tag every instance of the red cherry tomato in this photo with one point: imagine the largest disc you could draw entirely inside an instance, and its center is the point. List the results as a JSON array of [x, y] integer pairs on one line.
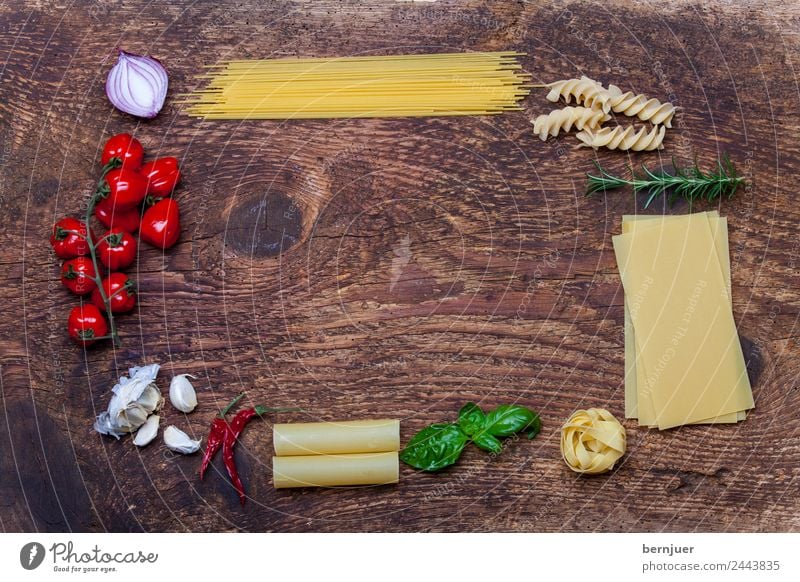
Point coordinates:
[[124, 189], [78, 274], [86, 323], [117, 249], [126, 148], [69, 238], [161, 224], [110, 217], [162, 174], [120, 290]]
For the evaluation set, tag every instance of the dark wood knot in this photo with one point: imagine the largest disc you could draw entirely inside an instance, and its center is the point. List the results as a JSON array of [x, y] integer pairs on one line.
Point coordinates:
[[264, 224]]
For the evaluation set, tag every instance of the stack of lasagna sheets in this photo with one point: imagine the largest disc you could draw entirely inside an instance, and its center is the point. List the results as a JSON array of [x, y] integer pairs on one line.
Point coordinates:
[[683, 360]]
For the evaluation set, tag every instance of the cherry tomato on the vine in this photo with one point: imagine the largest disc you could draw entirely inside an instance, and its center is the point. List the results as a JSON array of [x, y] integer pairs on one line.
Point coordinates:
[[78, 274], [126, 148], [162, 175], [123, 189], [86, 323], [113, 218], [117, 249], [161, 224], [69, 238], [120, 290]]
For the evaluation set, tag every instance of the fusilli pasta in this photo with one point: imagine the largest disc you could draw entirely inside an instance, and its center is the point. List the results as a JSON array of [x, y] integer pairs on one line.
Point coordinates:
[[631, 104], [585, 91], [627, 138], [552, 123]]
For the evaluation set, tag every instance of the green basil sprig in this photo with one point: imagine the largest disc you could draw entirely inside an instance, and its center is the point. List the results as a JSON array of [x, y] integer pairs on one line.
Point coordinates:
[[435, 447], [440, 445]]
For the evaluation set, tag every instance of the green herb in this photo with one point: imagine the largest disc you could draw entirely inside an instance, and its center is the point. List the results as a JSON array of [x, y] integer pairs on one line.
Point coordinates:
[[440, 445], [435, 447], [690, 183], [508, 419], [471, 418], [488, 443]]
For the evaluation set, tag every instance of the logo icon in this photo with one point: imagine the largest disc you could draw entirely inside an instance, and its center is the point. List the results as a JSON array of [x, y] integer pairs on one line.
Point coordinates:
[[31, 555]]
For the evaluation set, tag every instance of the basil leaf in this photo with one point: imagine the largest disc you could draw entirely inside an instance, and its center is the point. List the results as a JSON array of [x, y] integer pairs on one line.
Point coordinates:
[[434, 447], [488, 443], [508, 419], [534, 427], [471, 418]]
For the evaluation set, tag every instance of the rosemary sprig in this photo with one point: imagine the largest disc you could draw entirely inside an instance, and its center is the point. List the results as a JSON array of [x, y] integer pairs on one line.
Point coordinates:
[[691, 183]]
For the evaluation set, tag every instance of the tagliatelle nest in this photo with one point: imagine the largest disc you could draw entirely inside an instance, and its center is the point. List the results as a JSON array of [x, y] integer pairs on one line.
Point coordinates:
[[592, 441]]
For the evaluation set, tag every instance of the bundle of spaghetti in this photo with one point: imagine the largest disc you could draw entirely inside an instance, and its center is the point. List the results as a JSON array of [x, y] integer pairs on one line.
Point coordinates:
[[373, 86]]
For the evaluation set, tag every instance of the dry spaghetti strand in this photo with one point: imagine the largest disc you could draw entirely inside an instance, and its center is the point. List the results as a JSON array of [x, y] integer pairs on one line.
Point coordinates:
[[374, 86]]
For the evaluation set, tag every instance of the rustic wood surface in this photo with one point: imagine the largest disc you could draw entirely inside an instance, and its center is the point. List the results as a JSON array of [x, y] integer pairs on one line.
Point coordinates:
[[398, 268]]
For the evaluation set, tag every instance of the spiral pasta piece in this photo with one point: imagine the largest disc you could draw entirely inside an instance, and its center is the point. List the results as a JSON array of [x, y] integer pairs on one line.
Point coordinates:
[[585, 91], [640, 106], [627, 138], [552, 123], [592, 441]]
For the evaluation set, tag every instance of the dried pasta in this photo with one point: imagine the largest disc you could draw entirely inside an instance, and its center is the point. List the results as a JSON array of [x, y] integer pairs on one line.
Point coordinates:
[[371, 86], [624, 138], [640, 106], [585, 91], [592, 441], [565, 119]]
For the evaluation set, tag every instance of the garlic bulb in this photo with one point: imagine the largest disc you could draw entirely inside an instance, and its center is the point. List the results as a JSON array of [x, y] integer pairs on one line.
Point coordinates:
[[134, 399], [178, 441], [147, 432], [182, 394], [137, 84]]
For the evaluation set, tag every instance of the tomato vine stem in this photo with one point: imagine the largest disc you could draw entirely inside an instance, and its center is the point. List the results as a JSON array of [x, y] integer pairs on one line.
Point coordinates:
[[95, 198]]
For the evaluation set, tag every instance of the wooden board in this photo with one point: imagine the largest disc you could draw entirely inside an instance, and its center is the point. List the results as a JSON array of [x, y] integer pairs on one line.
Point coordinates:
[[392, 268]]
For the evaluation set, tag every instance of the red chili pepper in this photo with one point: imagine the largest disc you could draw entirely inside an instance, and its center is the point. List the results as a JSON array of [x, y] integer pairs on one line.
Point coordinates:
[[219, 426], [231, 436], [226, 435]]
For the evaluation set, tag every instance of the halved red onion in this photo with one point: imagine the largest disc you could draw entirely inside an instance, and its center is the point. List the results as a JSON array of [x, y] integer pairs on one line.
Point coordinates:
[[137, 84]]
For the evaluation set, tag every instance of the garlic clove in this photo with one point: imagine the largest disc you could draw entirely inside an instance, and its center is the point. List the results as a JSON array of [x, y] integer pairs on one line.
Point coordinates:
[[151, 399], [182, 394], [131, 418], [177, 440], [104, 425], [147, 432]]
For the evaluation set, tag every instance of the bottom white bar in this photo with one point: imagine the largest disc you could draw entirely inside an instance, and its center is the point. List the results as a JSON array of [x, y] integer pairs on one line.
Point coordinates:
[[353, 557]]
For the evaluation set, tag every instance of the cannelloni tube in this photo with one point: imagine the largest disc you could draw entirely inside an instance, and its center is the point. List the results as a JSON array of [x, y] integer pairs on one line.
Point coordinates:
[[334, 438], [333, 470]]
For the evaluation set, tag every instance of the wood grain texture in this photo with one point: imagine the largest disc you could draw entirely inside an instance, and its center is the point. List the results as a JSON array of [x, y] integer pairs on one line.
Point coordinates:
[[392, 267]]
